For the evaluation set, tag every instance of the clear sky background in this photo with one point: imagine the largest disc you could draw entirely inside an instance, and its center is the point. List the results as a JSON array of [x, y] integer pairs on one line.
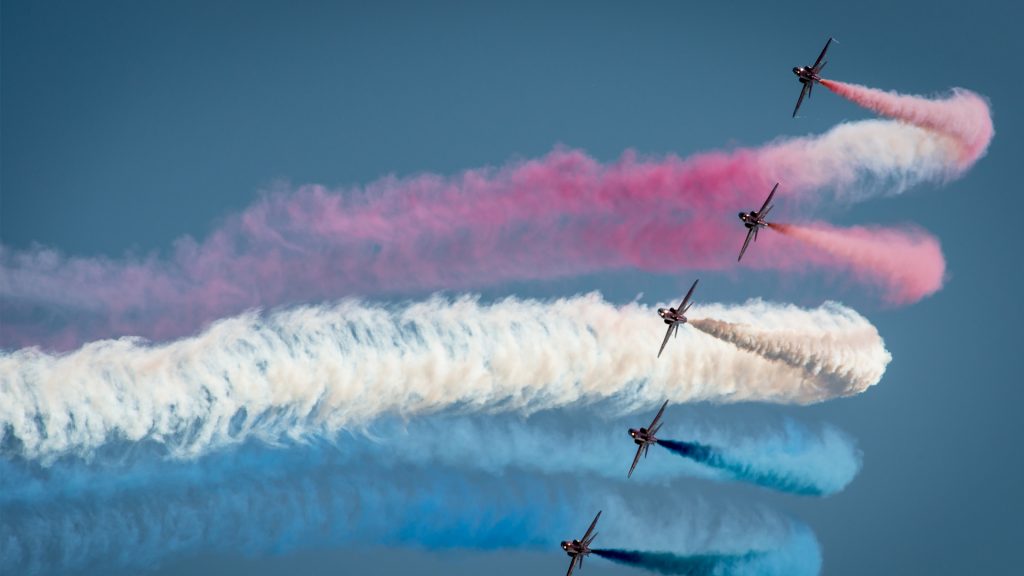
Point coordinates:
[[126, 125]]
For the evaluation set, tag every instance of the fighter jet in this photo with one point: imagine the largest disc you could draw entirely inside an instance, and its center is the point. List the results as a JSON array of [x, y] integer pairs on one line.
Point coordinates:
[[675, 316], [808, 75], [577, 549], [756, 220], [644, 437]]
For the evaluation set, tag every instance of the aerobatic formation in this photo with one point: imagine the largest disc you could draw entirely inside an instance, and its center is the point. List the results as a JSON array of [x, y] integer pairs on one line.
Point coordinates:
[[163, 371]]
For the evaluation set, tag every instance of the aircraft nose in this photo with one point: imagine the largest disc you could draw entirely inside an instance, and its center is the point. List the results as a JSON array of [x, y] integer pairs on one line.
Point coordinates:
[[796, 71]]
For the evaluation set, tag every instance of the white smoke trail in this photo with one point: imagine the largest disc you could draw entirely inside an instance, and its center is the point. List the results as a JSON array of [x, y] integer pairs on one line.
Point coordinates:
[[832, 343], [317, 370]]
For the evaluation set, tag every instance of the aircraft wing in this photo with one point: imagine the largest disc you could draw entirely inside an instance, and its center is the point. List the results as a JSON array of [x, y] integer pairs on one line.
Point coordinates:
[[572, 564], [654, 423], [682, 307], [764, 207], [803, 92], [591, 529], [639, 451], [746, 243], [665, 341], [817, 62]]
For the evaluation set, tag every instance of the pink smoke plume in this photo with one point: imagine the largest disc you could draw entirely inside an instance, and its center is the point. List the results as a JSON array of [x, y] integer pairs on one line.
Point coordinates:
[[906, 263], [964, 117], [559, 215]]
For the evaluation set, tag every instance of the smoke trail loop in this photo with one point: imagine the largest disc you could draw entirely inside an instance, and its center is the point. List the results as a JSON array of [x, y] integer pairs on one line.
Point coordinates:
[[560, 215]]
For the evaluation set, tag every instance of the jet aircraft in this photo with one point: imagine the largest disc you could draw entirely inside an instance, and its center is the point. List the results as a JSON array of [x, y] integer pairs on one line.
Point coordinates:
[[756, 220], [644, 437], [808, 75], [675, 316], [577, 549]]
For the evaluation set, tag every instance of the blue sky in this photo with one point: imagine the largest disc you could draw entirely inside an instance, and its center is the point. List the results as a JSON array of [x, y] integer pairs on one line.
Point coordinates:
[[126, 125]]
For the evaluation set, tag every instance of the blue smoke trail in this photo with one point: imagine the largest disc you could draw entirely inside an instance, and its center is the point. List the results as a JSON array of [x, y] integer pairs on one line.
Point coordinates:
[[739, 470], [792, 457], [668, 563], [131, 514], [798, 557], [792, 462], [173, 510]]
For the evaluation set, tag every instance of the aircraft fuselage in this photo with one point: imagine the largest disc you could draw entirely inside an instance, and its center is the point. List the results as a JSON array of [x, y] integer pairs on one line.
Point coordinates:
[[642, 436], [806, 74], [751, 219], [574, 548], [671, 316]]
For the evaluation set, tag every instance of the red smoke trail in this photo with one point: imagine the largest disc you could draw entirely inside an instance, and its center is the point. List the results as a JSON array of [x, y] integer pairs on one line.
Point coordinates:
[[559, 215], [964, 116], [906, 263]]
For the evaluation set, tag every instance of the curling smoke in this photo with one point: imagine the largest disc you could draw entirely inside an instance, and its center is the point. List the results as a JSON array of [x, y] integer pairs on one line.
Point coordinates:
[[315, 371], [563, 214], [964, 117]]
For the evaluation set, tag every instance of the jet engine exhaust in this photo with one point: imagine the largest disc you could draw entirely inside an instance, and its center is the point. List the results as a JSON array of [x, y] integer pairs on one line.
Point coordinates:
[[786, 561], [806, 482], [906, 264], [963, 116]]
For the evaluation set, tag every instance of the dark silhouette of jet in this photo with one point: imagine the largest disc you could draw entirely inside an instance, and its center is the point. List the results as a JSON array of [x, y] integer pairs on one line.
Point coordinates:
[[674, 317], [577, 549], [644, 437], [756, 220], [808, 75]]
